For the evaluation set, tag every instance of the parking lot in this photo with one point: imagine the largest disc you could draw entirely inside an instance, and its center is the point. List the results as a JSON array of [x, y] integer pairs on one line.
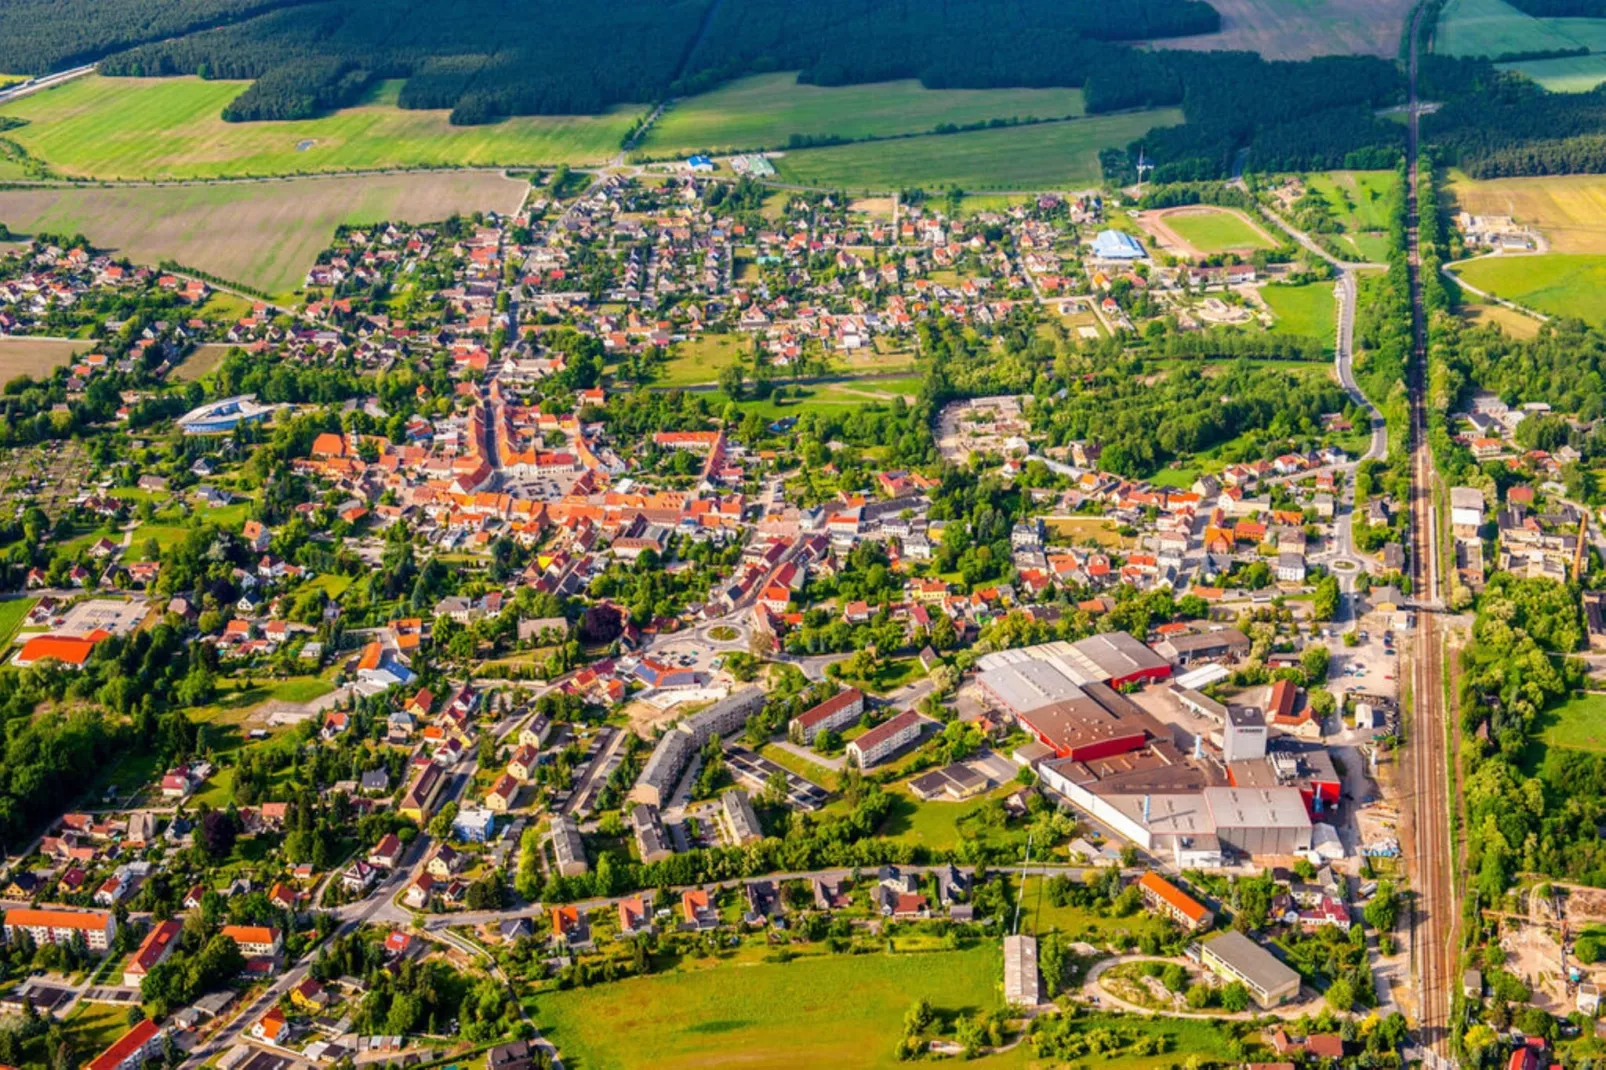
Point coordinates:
[[1372, 665]]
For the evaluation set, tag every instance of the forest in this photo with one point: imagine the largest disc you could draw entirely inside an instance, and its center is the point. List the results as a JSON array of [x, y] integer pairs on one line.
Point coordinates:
[[1498, 124], [484, 62], [41, 36]]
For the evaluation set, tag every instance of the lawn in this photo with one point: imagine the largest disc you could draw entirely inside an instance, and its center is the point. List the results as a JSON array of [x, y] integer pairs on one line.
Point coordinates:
[[1307, 310], [1555, 284], [826, 1011], [172, 128], [1177, 478], [1217, 230], [1569, 210], [832, 396], [1495, 28], [764, 111], [941, 826], [200, 363], [1083, 529], [13, 611], [701, 358], [94, 1026], [890, 675], [1046, 156], [1578, 724], [261, 234]]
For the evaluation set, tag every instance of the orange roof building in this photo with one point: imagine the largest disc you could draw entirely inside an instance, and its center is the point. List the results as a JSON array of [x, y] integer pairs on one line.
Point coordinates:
[[1172, 902], [57, 926], [71, 650], [131, 1049]]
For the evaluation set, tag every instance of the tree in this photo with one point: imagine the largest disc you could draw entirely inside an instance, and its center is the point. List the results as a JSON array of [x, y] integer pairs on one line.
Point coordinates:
[[1383, 911], [1199, 995], [1340, 994], [1235, 997], [1325, 604]]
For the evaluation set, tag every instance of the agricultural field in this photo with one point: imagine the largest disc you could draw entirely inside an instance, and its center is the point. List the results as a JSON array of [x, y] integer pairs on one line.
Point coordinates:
[[1554, 284], [1495, 28], [171, 128], [764, 111], [830, 1011], [1278, 29], [38, 357], [260, 234], [1568, 210], [1564, 74], [1044, 156], [1307, 310]]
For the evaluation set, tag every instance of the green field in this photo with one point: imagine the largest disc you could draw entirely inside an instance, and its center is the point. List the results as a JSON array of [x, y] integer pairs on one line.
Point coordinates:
[[1495, 28], [1557, 284], [835, 1011], [764, 111], [701, 358], [171, 128], [1045, 156], [1306, 310], [1359, 199], [1217, 230], [1568, 74], [1578, 724], [13, 611], [832, 396]]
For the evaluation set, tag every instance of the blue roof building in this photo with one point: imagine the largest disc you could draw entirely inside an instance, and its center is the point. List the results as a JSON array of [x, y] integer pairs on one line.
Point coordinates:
[[1117, 245], [700, 163]]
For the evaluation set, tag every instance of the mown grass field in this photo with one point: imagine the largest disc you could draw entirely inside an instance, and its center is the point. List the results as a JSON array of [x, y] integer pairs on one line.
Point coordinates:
[[38, 357], [1217, 230], [1044, 156], [1513, 323], [1359, 201], [262, 234], [1280, 29], [171, 128], [1307, 310], [1578, 724], [826, 1011], [832, 396], [1555, 284], [764, 111], [1569, 210]]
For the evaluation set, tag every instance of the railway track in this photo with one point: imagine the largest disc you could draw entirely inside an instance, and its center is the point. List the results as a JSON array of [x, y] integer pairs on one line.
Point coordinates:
[[1431, 863]]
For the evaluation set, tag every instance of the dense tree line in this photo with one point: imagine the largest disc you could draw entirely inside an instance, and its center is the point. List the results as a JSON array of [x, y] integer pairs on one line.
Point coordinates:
[[1496, 124], [40, 36]]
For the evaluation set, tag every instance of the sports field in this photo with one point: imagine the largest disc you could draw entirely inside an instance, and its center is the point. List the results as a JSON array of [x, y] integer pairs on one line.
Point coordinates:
[[1555, 284], [1300, 29], [1306, 310], [827, 1011], [764, 111], [1569, 210], [262, 234], [38, 357], [1045, 156], [171, 128], [1201, 230]]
